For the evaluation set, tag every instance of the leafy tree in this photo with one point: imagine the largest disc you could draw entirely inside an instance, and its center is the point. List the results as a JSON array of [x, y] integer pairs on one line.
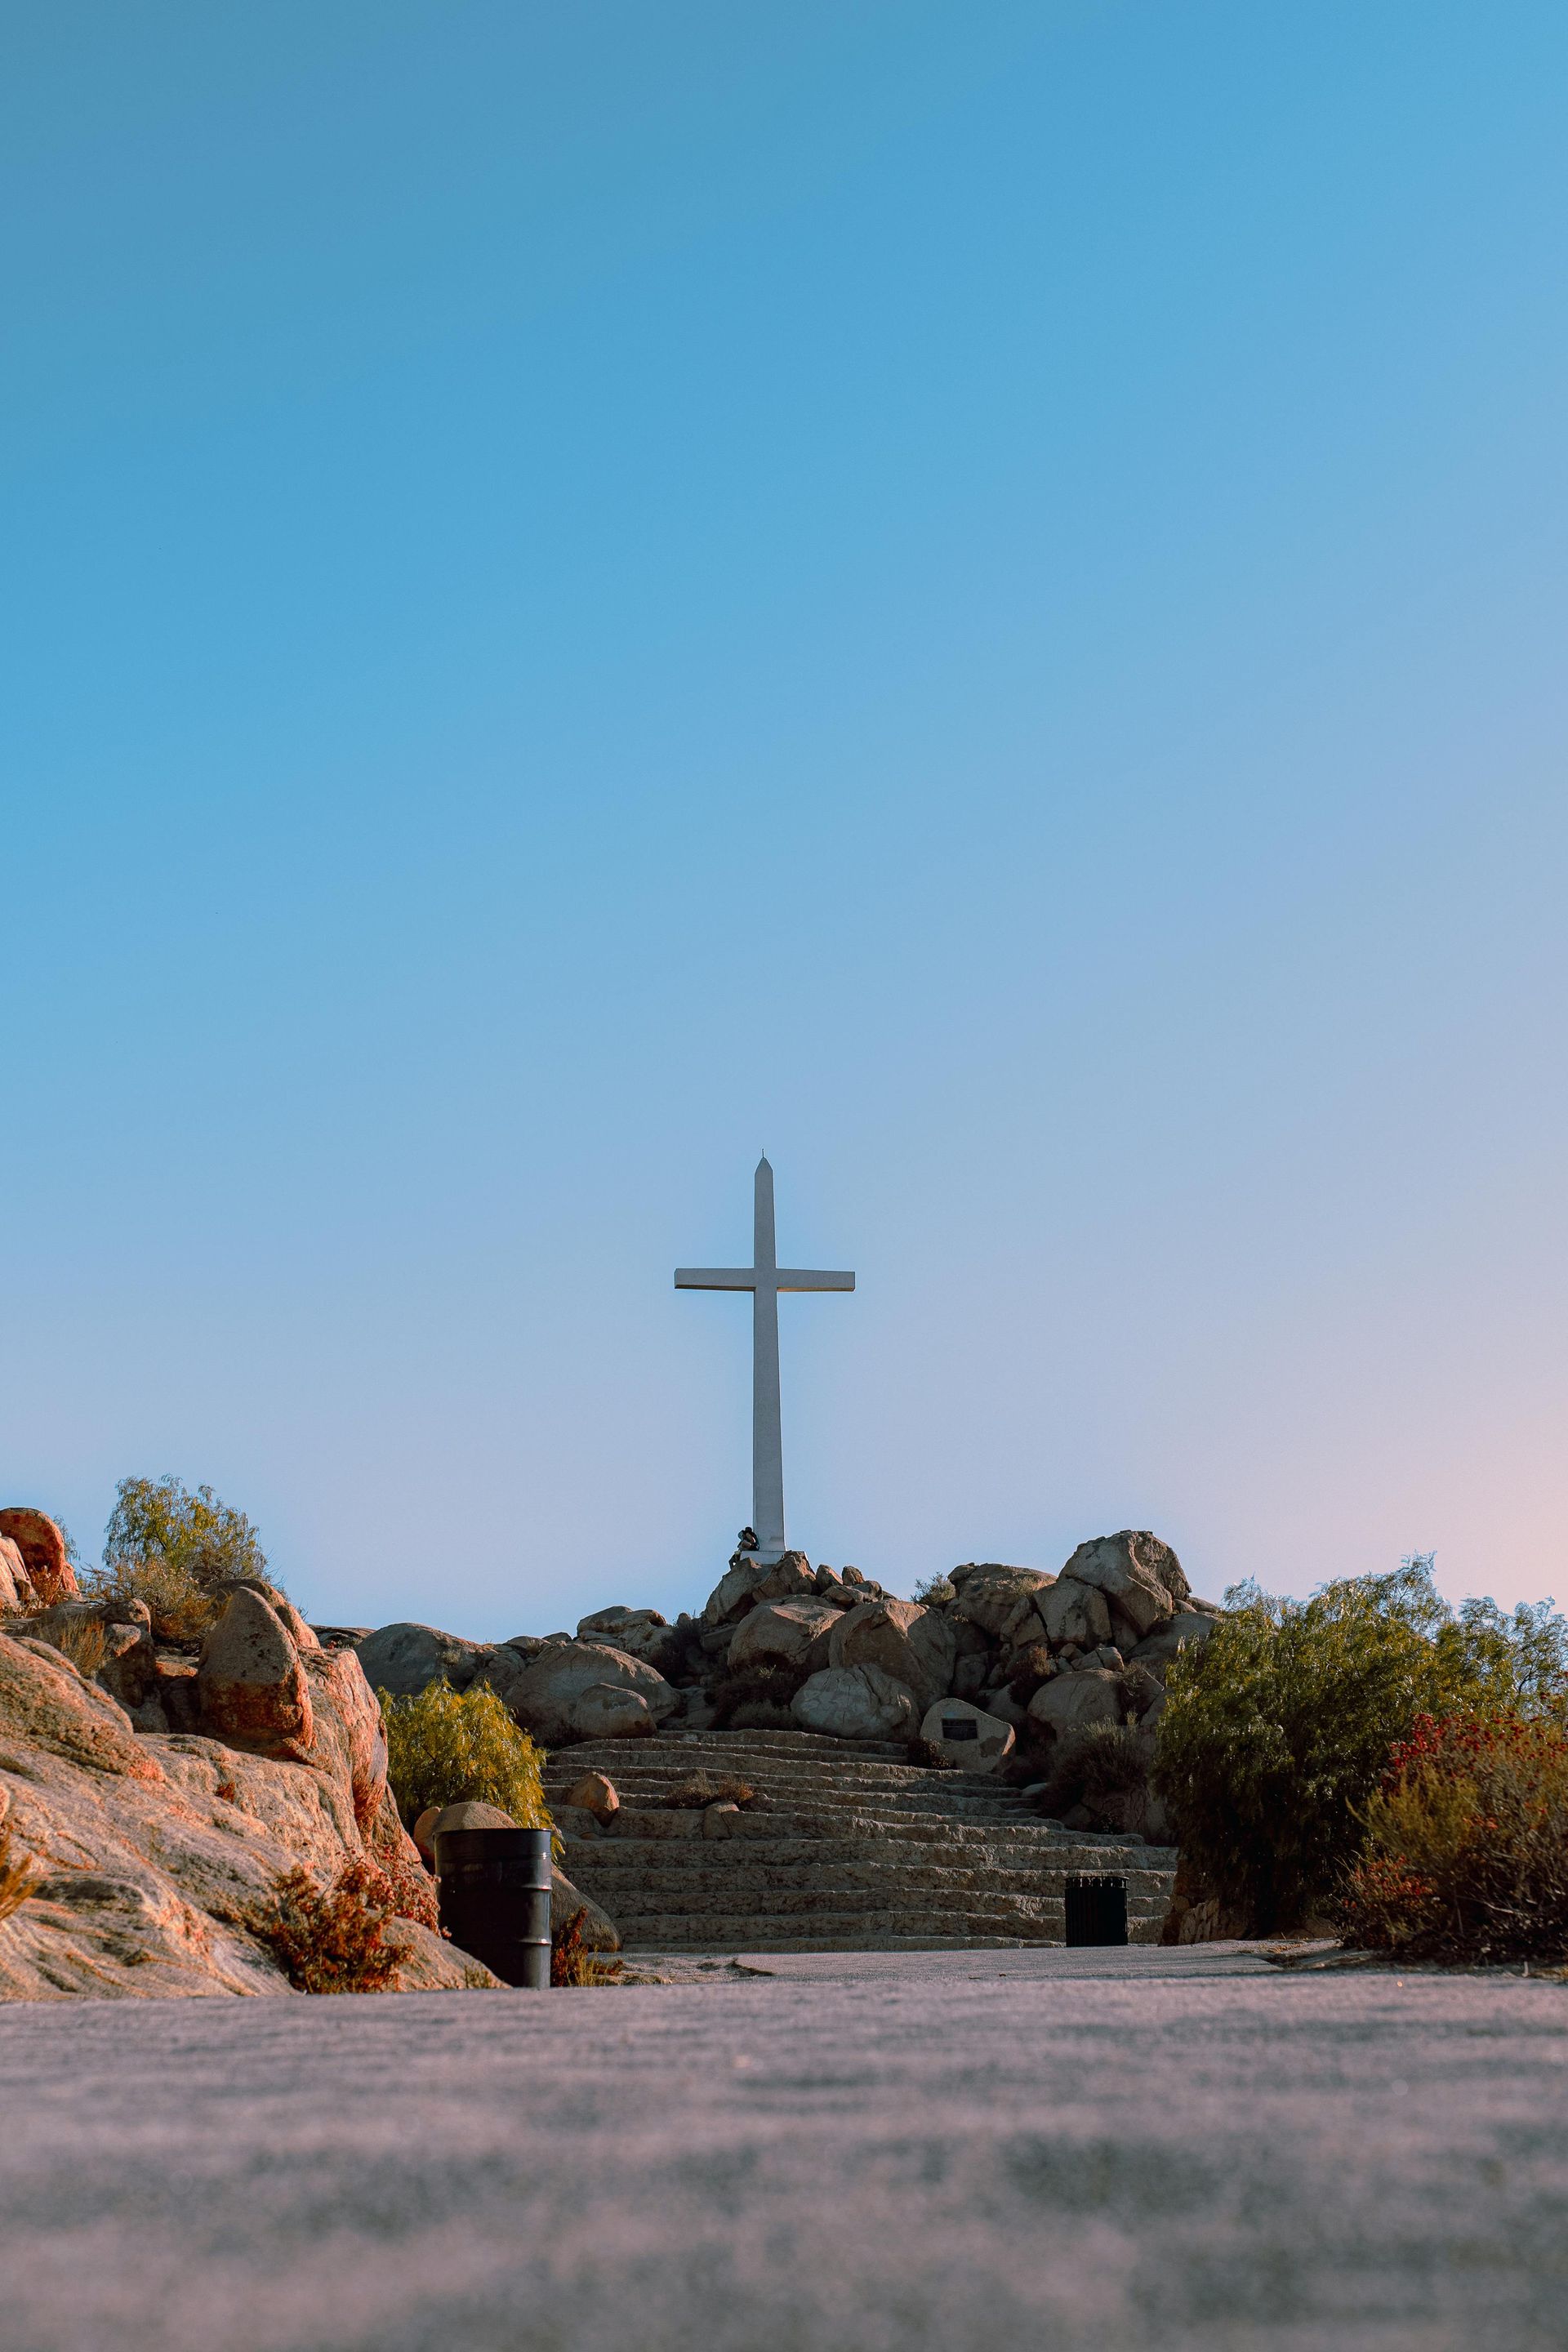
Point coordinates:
[[195, 1534], [172, 1548], [1278, 1731]]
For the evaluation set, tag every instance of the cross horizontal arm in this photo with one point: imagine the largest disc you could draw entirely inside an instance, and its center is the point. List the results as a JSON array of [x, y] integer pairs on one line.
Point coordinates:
[[795, 1277], [715, 1278]]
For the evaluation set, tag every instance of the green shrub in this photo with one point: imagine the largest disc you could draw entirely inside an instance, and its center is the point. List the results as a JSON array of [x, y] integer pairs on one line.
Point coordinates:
[[1280, 1728], [172, 1548], [1467, 1845], [449, 1747]]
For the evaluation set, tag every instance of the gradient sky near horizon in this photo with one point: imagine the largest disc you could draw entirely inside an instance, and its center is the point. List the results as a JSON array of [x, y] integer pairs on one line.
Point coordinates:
[[972, 594]]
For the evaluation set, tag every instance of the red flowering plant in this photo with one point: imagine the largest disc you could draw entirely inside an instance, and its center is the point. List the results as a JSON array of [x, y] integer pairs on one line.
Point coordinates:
[[1465, 1851]]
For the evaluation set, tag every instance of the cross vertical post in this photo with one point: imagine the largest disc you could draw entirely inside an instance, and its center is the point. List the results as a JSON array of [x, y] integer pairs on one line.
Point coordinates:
[[767, 1431], [764, 1279]]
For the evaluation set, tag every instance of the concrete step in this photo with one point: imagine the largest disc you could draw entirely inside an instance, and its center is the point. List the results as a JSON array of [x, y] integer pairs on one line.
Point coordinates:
[[930, 1826], [803, 1783], [869, 1932], [845, 1865], [1024, 1832]]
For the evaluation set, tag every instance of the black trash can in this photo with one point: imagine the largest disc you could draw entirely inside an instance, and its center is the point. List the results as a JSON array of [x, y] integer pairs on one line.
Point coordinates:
[[495, 1899], [1096, 1909]]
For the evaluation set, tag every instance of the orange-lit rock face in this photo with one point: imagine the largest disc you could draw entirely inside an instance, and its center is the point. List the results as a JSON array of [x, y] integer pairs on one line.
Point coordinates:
[[155, 1855], [43, 1549], [250, 1683]]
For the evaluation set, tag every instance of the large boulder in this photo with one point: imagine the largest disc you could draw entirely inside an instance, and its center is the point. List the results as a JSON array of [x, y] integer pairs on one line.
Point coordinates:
[[1140, 1576], [1188, 1629], [1077, 1613], [250, 1683], [967, 1736], [405, 1659], [988, 1593], [303, 1636], [42, 1545], [641, 1632], [855, 1703], [748, 1580], [542, 1690], [913, 1644], [610, 1711], [780, 1633], [1088, 1695]]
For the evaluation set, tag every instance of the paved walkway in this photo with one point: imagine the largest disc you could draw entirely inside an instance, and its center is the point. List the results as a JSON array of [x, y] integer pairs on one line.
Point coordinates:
[[969, 2152]]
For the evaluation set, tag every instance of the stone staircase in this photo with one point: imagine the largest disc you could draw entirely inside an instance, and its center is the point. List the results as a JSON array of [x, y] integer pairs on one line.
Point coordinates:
[[852, 1849]]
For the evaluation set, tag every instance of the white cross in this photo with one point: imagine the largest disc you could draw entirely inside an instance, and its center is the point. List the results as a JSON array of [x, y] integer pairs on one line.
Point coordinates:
[[764, 1279]]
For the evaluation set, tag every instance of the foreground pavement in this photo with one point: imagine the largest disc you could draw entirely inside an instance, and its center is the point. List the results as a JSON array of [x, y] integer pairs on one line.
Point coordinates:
[[856, 2153]]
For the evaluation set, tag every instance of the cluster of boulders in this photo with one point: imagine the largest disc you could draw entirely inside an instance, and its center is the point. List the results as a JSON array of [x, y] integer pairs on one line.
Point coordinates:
[[163, 1789], [158, 1795], [991, 1669]]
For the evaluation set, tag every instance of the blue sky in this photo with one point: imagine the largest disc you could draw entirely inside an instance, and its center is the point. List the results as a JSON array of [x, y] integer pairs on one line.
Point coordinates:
[[972, 594]]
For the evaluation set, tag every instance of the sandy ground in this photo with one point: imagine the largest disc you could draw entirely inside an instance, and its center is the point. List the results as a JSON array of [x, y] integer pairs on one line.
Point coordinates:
[[854, 2154]]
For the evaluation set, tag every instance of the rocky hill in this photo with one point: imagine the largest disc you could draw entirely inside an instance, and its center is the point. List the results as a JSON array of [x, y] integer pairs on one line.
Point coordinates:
[[154, 1797]]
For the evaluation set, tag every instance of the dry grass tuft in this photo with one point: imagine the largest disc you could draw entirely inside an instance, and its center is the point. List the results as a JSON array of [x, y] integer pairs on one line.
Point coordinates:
[[704, 1788], [181, 1610], [79, 1639]]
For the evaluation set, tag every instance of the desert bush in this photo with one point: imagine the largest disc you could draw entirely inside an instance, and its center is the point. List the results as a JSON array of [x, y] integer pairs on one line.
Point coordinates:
[[1466, 1855], [711, 1789], [932, 1590], [331, 1939], [764, 1692], [1101, 1760], [1280, 1728], [930, 1756], [171, 1547], [180, 1610], [1034, 1668], [18, 1875], [449, 1747], [682, 1657]]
